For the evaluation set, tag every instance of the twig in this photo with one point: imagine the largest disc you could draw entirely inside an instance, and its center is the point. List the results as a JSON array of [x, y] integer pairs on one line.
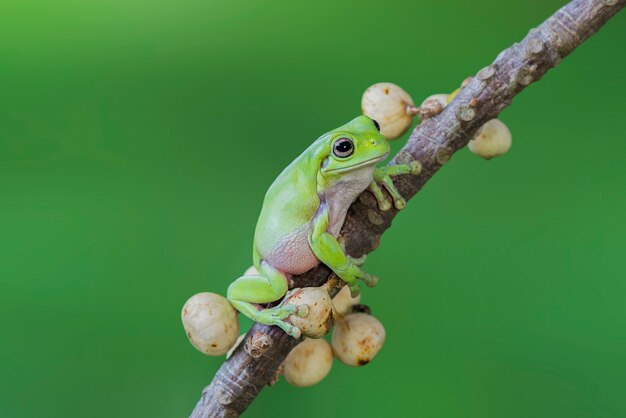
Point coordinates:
[[255, 362]]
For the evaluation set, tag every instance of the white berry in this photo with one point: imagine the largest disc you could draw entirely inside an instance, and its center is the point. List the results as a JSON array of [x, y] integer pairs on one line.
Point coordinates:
[[343, 301], [320, 317], [491, 140], [211, 323], [357, 338], [308, 363], [390, 106]]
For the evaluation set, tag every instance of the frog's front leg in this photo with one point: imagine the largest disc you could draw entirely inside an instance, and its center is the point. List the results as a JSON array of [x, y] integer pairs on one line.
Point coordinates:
[[247, 292], [328, 250], [383, 175]]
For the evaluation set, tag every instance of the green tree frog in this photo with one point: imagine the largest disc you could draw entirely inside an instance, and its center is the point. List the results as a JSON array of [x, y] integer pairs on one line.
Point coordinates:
[[302, 215]]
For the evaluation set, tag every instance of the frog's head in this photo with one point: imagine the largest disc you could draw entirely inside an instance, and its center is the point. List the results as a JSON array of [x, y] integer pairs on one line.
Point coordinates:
[[353, 145]]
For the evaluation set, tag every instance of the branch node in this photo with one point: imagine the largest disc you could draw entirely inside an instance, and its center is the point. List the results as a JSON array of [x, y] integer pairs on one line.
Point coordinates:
[[258, 344], [465, 112], [524, 75], [368, 200], [535, 46], [466, 81], [225, 398], [486, 73], [374, 217], [430, 108], [442, 155], [413, 110], [404, 157]]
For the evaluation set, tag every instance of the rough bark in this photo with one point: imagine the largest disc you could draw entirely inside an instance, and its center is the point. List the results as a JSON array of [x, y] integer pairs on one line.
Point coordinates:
[[253, 365]]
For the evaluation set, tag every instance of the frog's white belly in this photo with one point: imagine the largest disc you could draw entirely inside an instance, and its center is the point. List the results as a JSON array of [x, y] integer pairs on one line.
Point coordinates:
[[293, 254]]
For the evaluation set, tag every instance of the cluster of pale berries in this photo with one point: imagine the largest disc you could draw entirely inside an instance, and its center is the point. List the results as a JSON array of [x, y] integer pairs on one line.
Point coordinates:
[[394, 109], [212, 327], [211, 322]]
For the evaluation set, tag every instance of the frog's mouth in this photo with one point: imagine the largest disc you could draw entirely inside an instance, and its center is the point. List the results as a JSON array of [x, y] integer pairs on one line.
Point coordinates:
[[361, 164]]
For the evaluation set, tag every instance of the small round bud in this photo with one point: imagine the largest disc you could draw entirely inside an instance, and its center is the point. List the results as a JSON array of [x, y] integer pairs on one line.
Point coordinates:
[[466, 81], [320, 318], [308, 363], [491, 140], [389, 105], [211, 323], [343, 301], [357, 338]]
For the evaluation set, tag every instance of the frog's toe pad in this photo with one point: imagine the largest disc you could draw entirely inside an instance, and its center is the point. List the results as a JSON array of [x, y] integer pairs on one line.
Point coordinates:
[[302, 311], [384, 205], [355, 290], [400, 203], [416, 167], [371, 281], [294, 332]]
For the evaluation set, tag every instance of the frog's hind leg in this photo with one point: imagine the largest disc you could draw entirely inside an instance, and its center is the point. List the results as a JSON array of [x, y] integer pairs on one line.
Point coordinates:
[[247, 292]]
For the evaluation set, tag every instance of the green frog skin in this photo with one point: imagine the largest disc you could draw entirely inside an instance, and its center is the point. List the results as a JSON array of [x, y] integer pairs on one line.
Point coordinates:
[[302, 215]]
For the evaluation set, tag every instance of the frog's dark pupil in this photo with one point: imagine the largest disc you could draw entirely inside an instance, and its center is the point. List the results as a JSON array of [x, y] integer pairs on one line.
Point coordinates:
[[344, 146], [376, 125]]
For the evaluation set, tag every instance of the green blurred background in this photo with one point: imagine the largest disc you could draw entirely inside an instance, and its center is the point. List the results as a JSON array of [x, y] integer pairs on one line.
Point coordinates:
[[137, 139]]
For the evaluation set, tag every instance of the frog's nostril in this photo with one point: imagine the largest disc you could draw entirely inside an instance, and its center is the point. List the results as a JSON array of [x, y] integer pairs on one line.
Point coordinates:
[[373, 142]]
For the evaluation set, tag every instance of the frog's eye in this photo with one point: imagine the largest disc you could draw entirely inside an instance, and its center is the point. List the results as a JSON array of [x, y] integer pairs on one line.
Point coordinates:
[[343, 148], [376, 125]]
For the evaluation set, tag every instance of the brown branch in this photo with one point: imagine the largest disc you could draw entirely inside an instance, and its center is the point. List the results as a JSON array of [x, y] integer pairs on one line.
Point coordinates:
[[432, 143]]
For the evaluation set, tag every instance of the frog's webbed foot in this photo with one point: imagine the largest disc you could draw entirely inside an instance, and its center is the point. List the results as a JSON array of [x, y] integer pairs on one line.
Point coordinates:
[[369, 279], [330, 251], [383, 175], [358, 273], [300, 310], [278, 315], [247, 294], [354, 275]]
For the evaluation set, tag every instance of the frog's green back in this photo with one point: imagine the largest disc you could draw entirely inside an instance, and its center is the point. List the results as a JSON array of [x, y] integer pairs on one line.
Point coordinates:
[[292, 200]]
